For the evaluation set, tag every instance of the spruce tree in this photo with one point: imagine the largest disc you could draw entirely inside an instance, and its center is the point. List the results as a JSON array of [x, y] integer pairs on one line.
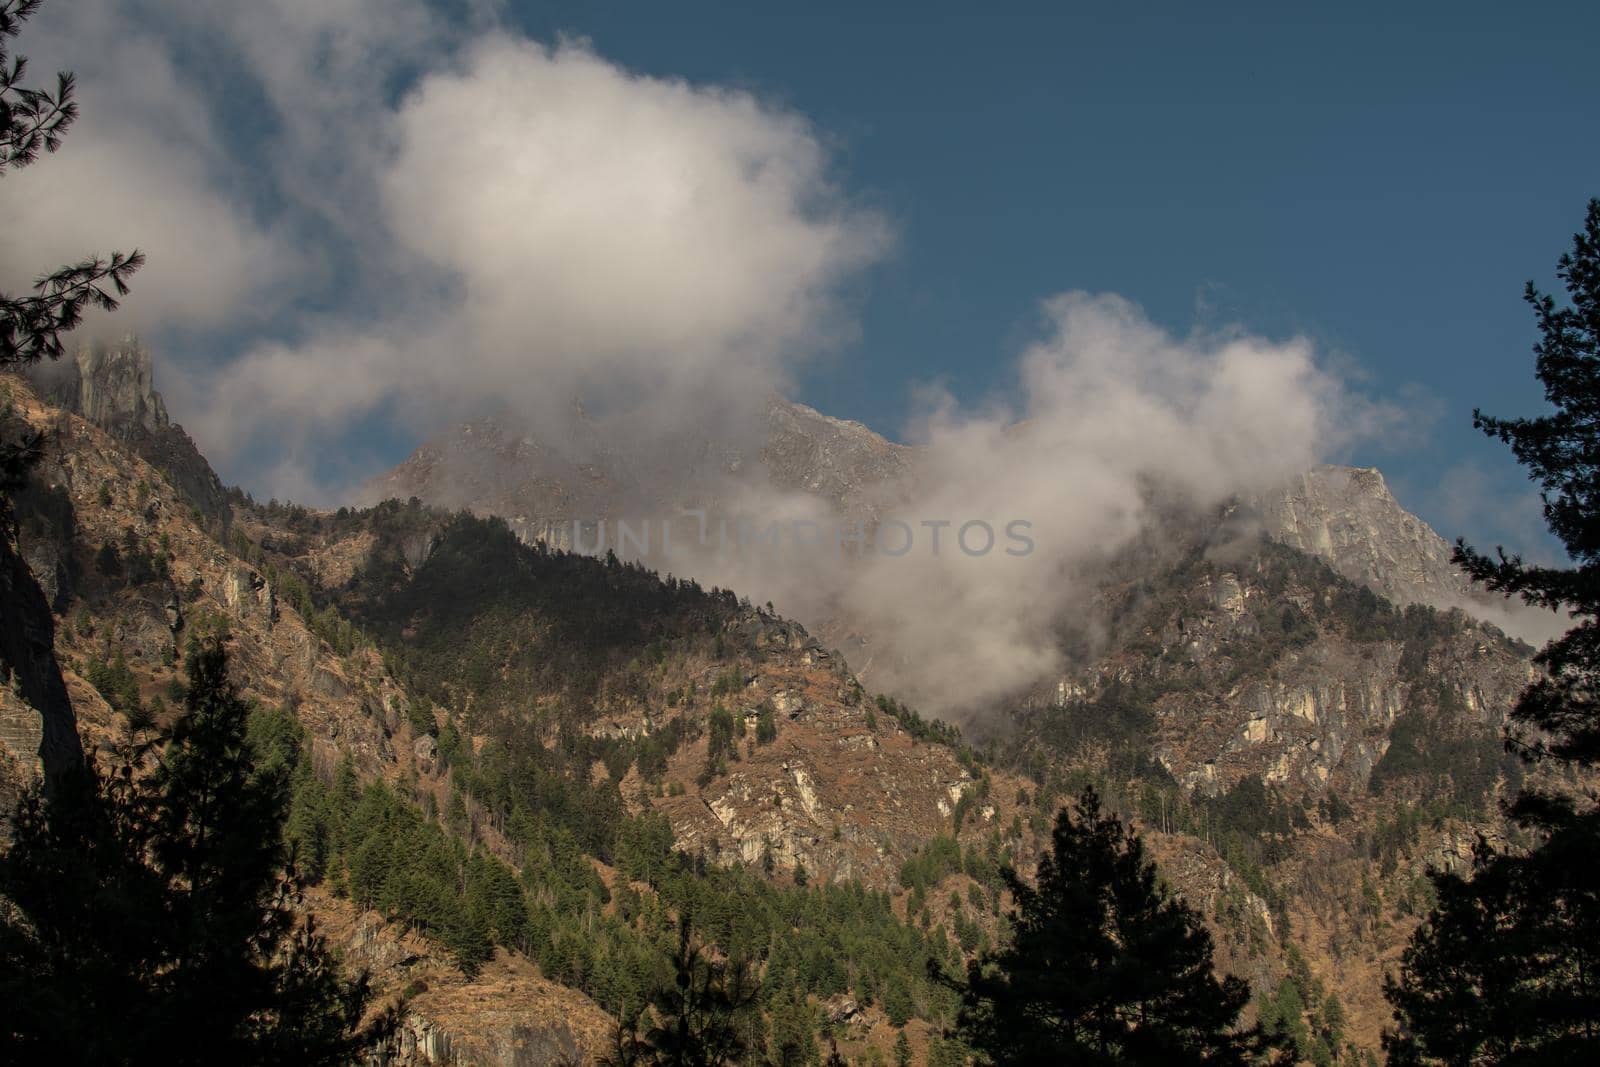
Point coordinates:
[[1504, 969], [1104, 966]]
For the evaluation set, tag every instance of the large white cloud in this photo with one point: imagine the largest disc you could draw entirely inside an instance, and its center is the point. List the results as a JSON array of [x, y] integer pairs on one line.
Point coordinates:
[[544, 227], [1116, 421], [144, 167], [356, 208], [618, 234]]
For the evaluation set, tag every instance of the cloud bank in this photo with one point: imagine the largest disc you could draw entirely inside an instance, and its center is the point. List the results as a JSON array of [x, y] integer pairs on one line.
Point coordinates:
[[357, 210], [1115, 418]]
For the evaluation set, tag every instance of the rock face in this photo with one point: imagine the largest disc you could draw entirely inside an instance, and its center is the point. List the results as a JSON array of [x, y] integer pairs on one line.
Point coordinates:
[[113, 386], [1347, 516], [37, 727], [506, 1016], [116, 389]]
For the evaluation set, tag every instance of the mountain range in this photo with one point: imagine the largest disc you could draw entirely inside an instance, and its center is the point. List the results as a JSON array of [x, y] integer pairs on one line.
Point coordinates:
[[1293, 693]]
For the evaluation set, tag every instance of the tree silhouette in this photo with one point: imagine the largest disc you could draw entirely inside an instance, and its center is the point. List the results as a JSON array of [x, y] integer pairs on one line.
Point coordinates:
[[1504, 968], [697, 1014], [700, 1016], [1103, 966], [150, 917]]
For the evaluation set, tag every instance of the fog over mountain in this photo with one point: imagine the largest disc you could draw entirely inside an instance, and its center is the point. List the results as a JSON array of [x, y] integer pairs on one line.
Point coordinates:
[[627, 266], [1123, 430]]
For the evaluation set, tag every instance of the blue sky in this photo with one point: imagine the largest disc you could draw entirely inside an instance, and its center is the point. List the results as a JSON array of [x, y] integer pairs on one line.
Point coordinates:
[[1378, 179], [1381, 178]]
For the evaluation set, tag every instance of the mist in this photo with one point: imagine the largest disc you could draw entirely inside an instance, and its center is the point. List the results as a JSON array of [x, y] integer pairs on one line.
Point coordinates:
[[1113, 416]]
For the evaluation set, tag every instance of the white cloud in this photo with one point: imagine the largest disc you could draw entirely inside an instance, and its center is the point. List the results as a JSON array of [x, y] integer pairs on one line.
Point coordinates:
[[619, 237], [1117, 417], [142, 168]]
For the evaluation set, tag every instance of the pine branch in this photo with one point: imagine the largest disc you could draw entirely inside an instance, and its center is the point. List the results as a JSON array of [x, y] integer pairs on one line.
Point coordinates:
[[31, 326], [31, 120]]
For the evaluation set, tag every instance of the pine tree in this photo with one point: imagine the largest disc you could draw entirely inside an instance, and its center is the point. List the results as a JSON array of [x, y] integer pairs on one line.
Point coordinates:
[[1562, 453], [157, 905], [1104, 966], [902, 1050], [1504, 968], [699, 1013]]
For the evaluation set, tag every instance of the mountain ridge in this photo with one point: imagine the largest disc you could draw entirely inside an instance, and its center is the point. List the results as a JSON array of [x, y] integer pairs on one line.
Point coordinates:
[[1284, 738], [1345, 515]]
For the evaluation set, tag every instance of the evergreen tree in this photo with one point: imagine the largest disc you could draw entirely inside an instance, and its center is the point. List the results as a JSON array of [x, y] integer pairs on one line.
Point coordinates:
[[794, 1031], [1504, 968], [150, 918], [699, 1013], [766, 724], [902, 1050], [1333, 1021], [1562, 453], [1104, 966]]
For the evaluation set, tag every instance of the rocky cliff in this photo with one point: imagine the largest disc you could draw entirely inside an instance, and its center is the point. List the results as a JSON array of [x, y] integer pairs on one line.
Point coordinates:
[[113, 387], [1347, 516]]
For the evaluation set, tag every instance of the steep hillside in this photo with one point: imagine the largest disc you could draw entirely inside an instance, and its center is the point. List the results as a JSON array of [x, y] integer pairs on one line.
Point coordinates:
[[519, 762], [524, 639], [1326, 745], [534, 727]]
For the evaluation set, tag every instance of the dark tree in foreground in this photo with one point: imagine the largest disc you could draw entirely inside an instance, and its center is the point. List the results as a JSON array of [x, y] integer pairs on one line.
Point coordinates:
[[698, 1015], [1562, 453], [701, 1015], [1104, 966], [1505, 968], [33, 121], [148, 916]]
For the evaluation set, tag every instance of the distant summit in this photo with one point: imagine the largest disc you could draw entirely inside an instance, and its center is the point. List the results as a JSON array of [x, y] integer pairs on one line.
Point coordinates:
[[1344, 515], [1348, 517]]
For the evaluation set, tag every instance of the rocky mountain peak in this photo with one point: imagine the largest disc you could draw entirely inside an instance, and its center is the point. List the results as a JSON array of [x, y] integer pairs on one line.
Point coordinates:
[[114, 388], [112, 385], [1348, 517], [844, 462]]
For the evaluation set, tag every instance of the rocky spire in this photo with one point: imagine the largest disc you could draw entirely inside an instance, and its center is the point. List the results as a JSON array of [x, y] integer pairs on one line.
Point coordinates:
[[115, 388]]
